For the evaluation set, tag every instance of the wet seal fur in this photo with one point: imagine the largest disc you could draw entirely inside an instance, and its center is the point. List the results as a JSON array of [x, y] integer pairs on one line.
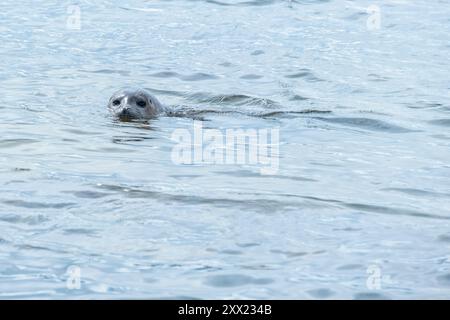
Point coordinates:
[[135, 104]]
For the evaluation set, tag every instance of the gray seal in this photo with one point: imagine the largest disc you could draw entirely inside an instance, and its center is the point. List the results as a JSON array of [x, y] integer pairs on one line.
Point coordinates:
[[135, 104]]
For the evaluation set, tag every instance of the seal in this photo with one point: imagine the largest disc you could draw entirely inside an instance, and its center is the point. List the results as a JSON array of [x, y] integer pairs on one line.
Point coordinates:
[[135, 104]]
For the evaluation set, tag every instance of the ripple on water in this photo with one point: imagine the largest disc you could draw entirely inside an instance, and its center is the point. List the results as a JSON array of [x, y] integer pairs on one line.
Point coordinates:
[[379, 209], [444, 279], [366, 124], [11, 143], [235, 280], [88, 194], [37, 205], [128, 140], [418, 192], [259, 205], [34, 219], [80, 231], [351, 267], [243, 3], [290, 254], [305, 74], [428, 105], [257, 52], [373, 77], [440, 122], [34, 248], [297, 97], [321, 293], [109, 71], [257, 175], [81, 132], [145, 235], [251, 77], [370, 296], [444, 237], [356, 16], [394, 211], [199, 76]]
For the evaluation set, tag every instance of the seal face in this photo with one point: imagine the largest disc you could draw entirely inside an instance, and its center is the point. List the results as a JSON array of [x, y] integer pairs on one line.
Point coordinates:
[[132, 104]]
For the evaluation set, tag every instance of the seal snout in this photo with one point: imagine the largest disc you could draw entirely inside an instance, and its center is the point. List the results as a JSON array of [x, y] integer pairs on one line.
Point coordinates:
[[127, 114]]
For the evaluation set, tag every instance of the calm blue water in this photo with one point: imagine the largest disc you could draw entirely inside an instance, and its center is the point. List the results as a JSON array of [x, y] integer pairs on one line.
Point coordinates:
[[94, 208]]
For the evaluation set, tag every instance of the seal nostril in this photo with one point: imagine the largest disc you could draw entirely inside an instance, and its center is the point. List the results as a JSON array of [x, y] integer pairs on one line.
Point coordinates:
[[126, 114]]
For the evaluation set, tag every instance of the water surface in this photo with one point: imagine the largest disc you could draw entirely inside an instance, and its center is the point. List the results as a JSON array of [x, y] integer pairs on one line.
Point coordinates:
[[357, 209]]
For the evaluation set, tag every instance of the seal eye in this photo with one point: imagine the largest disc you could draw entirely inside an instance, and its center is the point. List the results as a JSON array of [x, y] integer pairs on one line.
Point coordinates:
[[116, 102], [141, 103]]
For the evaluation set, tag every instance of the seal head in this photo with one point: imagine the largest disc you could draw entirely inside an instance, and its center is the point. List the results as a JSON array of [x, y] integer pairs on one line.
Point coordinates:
[[136, 104]]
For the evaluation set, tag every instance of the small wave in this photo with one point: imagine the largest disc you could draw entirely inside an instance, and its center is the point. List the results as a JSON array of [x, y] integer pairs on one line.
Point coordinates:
[[37, 205], [351, 267], [33, 248], [441, 122], [321, 293], [374, 208], [251, 77], [251, 174], [366, 124], [297, 97], [199, 76], [27, 219], [373, 77], [261, 205], [88, 194], [80, 231], [109, 71], [290, 254], [235, 280], [257, 52], [444, 238], [8, 143], [370, 296], [261, 2], [305, 74], [292, 113], [428, 105], [444, 279], [242, 3], [141, 9], [124, 140], [418, 192], [166, 74], [81, 132], [356, 16], [393, 211]]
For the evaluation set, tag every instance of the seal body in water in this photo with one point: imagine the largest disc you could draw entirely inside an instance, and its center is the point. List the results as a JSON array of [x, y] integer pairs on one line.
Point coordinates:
[[135, 104]]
